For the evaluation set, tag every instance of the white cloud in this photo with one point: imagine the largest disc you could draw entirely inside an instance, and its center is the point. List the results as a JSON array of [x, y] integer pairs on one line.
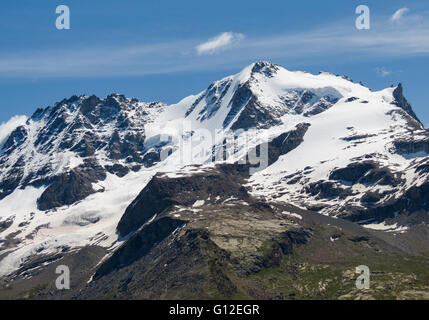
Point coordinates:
[[6, 128], [383, 71], [219, 42], [399, 14], [334, 42]]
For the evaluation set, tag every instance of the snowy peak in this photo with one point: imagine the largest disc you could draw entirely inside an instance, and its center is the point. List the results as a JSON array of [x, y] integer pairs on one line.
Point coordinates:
[[77, 120], [115, 107], [264, 67], [76, 132], [262, 93]]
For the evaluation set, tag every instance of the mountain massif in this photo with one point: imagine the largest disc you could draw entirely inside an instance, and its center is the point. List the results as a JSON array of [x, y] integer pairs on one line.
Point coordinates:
[[269, 184]]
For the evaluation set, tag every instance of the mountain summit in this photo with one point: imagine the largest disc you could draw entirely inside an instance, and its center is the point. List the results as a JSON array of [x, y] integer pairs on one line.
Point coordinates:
[[104, 180]]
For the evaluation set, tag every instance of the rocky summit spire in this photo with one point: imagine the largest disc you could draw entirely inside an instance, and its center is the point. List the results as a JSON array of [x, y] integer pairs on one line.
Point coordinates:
[[403, 103]]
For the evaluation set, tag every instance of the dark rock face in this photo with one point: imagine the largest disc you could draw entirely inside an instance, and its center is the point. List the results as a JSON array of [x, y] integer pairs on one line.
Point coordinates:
[[351, 99], [401, 102], [371, 198], [151, 158], [382, 176], [253, 113], [327, 190], [410, 146], [214, 98], [358, 138], [187, 267], [282, 247], [5, 224], [413, 201], [139, 245], [422, 168], [366, 172], [242, 96], [117, 169], [15, 139], [286, 142], [383, 199], [252, 116], [11, 183], [323, 104], [353, 172], [70, 187], [265, 67], [417, 198], [163, 192]]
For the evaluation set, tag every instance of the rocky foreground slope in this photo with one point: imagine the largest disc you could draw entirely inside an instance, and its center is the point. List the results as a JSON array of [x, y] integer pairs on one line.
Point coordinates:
[[269, 184]]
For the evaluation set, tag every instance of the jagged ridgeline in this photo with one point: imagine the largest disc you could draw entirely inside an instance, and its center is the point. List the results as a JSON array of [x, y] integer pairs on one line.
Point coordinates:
[[100, 185]]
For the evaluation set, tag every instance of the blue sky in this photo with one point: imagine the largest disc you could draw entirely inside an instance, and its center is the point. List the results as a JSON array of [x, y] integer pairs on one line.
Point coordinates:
[[166, 50]]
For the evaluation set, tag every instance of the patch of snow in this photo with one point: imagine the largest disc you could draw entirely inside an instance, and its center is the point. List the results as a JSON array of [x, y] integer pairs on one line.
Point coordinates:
[[383, 227], [294, 215], [198, 203]]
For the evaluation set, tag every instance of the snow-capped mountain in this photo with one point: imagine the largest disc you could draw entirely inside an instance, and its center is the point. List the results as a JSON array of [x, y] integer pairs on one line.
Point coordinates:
[[335, 147], [83, 129]]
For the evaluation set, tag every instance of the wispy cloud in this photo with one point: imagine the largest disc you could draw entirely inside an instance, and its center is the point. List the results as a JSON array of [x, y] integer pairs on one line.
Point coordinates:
[[6, 128], [382, 71], [399, 14], [337, 42], [220, 42]]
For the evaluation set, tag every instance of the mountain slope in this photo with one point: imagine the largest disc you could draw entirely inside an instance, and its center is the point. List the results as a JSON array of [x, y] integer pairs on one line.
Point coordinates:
[[129, 178]]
